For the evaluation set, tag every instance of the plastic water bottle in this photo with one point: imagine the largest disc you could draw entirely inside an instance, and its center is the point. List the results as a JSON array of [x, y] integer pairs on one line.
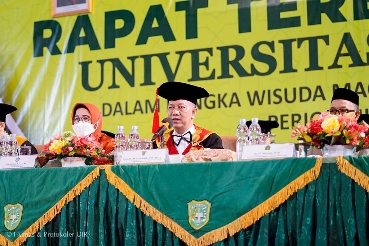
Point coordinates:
[[254, 131], [134, 139], [301, 151], [242, 137], [4, 145], [13, 145], [120, 144]]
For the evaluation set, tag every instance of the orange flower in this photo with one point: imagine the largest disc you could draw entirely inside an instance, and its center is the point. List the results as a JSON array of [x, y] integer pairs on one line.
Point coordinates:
[[332, 129], [68, 144]]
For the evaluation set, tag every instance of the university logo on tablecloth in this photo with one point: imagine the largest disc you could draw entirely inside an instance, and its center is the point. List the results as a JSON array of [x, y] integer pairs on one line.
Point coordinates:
[[198, 213], [12, 215]]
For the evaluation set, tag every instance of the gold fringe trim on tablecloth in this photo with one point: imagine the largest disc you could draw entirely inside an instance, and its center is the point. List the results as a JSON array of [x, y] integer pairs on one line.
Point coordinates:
[[53, 211], [351, 171], [232, 228]]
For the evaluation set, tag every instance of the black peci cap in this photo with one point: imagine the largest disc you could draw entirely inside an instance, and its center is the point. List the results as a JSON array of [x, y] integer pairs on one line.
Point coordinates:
[[363, 117], [346, 94], [173, 91], [265, 125], [4, 110]]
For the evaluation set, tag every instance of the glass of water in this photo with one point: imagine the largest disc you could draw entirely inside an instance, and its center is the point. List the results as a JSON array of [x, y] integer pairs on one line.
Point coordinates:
[[146, 144], [25, 150]]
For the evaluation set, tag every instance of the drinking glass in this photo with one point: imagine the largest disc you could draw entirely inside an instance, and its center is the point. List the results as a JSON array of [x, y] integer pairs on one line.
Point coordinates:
[[25, 150], [263, 138], [146, 144], [272, 138], [267, 138]]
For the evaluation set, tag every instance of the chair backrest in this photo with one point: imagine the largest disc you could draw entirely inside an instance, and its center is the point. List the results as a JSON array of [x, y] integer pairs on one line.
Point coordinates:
[[39, 148], [229, 142], [110, 134]]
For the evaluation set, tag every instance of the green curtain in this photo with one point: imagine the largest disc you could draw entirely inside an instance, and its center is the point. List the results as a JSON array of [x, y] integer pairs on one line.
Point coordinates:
[[232, 188], [332, 210], [26, 188]]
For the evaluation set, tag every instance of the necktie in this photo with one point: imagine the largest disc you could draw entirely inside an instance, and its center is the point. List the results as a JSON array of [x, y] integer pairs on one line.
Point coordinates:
[[178, 138]]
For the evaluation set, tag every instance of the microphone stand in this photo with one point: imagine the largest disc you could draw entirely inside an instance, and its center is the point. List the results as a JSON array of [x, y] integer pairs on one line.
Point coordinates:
[[161, 142]]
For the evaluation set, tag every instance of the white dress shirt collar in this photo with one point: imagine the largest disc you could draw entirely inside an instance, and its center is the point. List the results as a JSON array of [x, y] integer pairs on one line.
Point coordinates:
[[183, 144]]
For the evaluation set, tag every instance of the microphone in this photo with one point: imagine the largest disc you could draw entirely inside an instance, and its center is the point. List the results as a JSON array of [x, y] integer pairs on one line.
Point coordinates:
[[167, 124]]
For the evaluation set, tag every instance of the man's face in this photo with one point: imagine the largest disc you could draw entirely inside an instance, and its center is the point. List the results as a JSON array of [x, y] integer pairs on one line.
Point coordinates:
[[2, 128], [182, 112], [340, 106]]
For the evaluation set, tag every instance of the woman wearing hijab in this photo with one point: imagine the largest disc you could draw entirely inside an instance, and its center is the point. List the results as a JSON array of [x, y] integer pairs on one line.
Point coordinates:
[[87, 121]]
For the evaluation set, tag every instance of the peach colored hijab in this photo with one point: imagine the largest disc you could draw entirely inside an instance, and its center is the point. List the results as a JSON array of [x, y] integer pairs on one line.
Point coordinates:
[[95, 116]]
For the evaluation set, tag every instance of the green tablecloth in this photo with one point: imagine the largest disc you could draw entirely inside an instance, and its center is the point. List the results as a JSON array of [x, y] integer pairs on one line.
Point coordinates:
[[148, 204]]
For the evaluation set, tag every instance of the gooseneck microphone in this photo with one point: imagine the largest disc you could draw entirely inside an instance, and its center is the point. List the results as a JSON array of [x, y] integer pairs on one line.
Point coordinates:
[[167, 124]]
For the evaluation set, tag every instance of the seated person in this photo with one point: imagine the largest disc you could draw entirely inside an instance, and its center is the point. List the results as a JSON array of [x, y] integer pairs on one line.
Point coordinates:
[[7, 109], [344, 101], [87, 121], [185, 136]]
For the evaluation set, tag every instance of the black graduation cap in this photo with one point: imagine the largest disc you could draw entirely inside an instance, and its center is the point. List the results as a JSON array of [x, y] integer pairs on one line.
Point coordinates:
[[173, 91], [265, 125], [346, 94], [4, 110], [363, 117]]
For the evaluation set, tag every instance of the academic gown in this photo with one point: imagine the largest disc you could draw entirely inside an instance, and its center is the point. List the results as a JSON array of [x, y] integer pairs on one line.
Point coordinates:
[[201, 139]]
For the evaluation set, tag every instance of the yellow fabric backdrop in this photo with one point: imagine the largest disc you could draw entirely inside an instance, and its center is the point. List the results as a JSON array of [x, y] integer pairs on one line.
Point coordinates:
[[265, 59]]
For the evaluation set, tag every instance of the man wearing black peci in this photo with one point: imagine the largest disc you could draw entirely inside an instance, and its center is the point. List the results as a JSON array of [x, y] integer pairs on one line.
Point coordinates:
[[344, 101]]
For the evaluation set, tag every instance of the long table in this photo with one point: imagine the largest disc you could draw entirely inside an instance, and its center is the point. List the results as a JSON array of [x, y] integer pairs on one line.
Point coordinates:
[[294, 201]]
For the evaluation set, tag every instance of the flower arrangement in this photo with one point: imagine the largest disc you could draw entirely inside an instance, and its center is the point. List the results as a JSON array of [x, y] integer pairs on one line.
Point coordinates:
[[327, 129], [70, 145]]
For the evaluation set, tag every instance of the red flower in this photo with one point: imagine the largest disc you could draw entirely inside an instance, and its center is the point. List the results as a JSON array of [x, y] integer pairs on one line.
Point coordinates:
[[72, 145], [331, 129]]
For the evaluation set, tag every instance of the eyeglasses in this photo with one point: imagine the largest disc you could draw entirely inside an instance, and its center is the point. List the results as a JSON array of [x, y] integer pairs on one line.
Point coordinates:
[[85, 119], [339, 111], [182, 108]]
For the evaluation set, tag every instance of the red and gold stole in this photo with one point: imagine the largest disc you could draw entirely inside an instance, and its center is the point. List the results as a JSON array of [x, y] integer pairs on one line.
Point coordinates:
[[198, 136]]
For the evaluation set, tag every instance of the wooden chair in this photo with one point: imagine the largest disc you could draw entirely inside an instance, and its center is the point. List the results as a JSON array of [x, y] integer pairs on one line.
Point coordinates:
[[39, 147], [229, 142]]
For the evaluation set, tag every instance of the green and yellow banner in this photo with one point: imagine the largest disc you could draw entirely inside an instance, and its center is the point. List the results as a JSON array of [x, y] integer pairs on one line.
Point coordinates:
[[271, 59]]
